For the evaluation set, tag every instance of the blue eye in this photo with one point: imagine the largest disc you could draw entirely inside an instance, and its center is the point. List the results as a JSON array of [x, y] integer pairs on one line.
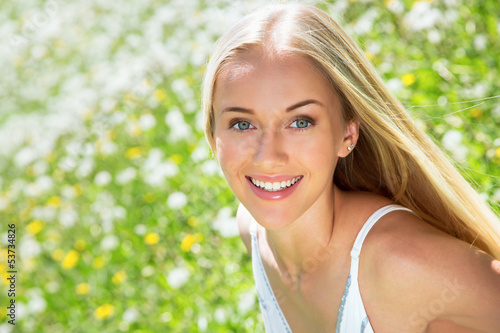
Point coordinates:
[[300, 123], [242, 125]]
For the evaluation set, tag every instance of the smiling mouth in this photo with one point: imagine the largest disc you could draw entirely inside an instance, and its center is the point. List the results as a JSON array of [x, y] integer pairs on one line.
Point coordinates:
[[275, 186]]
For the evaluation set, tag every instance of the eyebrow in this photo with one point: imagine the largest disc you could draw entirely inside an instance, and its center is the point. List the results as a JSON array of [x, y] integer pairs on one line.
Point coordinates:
[[288, 109]]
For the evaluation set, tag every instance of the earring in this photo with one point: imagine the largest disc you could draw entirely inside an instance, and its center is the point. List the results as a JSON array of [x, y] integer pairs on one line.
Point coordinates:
[[350, 147]]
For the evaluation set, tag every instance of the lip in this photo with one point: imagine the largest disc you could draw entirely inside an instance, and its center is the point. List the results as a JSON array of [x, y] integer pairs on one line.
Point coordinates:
[[277, 195]]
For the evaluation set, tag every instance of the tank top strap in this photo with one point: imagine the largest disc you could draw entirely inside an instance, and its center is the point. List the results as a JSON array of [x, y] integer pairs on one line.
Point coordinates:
[[358, 243], [253, 228]]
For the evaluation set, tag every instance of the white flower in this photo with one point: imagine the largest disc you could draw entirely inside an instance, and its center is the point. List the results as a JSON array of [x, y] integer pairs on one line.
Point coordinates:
[[247, 301], [178, 277], [67, 217], [225, 223], [177, 200], [452, 139], [220, 315], [25, 156], [29, 247], [36, 304], [147, 121], [110, 242], [210, 168], [130, 315], [178, 128], [200, 153], [103, 178], [422, 16], [140, 229], [126, 176]]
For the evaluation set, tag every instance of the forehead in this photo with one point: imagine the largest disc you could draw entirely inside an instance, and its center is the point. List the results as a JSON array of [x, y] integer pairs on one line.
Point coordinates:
[[259, 79]]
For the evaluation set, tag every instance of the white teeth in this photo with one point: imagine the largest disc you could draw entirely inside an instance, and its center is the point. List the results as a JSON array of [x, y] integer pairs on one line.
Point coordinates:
[[276, 186]]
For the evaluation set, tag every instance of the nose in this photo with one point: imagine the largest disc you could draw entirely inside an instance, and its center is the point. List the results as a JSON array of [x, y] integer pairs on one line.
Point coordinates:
[[270, 152]]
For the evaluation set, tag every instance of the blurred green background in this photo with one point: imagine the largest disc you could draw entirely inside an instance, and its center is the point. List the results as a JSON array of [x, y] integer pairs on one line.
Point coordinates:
[[123, 221]]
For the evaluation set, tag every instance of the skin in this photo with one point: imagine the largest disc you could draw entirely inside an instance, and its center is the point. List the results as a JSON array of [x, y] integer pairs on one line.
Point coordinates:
[[412, 277]]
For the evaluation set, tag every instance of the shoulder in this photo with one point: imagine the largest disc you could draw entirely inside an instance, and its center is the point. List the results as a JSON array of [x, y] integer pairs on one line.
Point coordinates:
[[427, 275], [244, 219]]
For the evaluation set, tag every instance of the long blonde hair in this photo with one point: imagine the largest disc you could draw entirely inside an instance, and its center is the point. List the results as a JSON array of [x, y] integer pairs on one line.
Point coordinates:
[[392, 158]]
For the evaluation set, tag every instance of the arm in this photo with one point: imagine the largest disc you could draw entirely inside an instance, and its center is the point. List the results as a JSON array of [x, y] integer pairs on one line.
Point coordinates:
[[433, 282]]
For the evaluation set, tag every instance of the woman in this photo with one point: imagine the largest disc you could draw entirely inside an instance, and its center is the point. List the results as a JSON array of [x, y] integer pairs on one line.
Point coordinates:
[[354, 218]]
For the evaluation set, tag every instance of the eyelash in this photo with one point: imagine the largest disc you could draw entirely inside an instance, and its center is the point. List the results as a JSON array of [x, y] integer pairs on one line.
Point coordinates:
[[235, 122]]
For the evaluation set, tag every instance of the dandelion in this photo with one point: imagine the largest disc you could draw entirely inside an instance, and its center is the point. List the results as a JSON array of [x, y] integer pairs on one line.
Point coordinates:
[[476, 113], [80, 245], [119, 277], [54, 201], [104, 311], [58, 254], [98, 262], [70, 260], [176, 159], [134, 153], [408, 79], [149, 197], [159, 95], [151, 238], [34, 227], [82, 288], [189, 240], [497, 152], [193, 221]]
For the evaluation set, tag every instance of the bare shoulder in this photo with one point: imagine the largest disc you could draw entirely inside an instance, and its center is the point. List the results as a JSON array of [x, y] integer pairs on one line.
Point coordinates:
[[427, 276], [244, 219]]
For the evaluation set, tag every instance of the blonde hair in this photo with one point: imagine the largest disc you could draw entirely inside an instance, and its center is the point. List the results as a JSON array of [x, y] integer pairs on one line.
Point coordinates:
[[392, 158]]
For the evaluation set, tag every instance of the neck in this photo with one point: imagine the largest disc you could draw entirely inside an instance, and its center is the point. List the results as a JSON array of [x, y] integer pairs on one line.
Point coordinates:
[[302, 247]]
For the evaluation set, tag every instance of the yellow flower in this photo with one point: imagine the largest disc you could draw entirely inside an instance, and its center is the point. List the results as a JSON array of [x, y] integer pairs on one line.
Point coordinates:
[[55, 201], [151, 238], [82, 288], [98, 262], [408, 79], [497, 152], [34, 227], [133, 153], [104, 311], [189, 240], [149, 197], [177, 158], [193, 221], [159, 94], [476, 113], [50, 157], [80, 245], [78, 189], [70, 260], [58, 254], [119, 277], [369, 55]]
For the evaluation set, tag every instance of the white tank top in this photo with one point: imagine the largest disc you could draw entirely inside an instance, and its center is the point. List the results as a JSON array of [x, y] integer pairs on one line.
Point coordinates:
[[352, 315]]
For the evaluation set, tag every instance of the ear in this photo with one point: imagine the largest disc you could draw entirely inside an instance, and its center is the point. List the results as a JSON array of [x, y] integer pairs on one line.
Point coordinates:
[[350, 138]]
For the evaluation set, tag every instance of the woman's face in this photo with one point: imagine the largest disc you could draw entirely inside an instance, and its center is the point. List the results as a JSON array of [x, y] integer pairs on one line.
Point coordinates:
[[278, 135]]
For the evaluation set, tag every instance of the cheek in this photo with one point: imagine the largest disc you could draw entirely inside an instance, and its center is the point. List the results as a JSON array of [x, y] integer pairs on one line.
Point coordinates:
[[231, 154]]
